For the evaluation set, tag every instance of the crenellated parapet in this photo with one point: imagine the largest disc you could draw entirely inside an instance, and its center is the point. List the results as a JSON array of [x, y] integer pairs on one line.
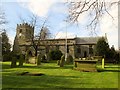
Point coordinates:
[[24, 25]]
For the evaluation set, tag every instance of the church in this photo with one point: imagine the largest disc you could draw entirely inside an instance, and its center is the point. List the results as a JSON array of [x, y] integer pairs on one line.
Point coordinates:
[[76, 47]]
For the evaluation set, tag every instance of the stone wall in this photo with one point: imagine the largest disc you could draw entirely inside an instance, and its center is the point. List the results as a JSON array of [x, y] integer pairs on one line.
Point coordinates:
[[24, 32]]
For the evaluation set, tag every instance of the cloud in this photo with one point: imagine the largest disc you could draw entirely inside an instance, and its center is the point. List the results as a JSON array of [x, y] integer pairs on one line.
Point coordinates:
[[39, 7]]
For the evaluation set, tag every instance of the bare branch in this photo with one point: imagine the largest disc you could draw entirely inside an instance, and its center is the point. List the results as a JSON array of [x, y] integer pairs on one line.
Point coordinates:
[[95, 8], [43, 31]]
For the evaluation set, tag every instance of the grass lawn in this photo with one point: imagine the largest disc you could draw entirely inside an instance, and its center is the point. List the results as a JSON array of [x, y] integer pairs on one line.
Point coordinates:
[[56, 77]]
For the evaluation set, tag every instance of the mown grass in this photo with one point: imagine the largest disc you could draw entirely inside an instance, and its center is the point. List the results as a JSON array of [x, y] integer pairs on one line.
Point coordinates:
[[56, 77]]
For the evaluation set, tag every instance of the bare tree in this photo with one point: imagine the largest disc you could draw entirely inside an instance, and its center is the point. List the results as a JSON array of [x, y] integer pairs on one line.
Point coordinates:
[[95, 8], [3, 20], [43, 34], [42, 31]]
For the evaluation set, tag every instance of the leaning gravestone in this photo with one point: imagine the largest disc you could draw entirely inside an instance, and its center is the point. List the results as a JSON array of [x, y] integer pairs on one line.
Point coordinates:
[[39, 59], [62, 61], [26, 58], [21, 60]]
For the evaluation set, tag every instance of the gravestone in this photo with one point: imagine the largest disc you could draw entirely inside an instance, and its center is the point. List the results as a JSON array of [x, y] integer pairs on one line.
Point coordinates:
[[62, 61], [26, 58], [13, 63], [86, 65], [58, 62], [21, 60], [69, 59], [39, 59]]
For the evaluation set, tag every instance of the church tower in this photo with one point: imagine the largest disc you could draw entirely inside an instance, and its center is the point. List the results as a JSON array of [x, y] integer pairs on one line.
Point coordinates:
[[24, 34]]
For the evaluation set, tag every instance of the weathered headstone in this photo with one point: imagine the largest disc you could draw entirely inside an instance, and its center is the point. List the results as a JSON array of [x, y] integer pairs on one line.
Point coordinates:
[[21, 60], [69, 59], [26, 58], [62, 61], [58, 62], [13, 63], [39, 59]]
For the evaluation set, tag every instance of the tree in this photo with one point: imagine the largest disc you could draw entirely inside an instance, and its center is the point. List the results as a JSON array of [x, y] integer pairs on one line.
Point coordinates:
[[42, 31], [102, 47], [6, 46], [43, 35], [3, 20], [55, 54], [95, 8]]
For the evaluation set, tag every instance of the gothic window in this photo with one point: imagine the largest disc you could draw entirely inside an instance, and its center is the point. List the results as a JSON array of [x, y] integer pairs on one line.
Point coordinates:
[[67, 49], [90, 49], [78, 49]]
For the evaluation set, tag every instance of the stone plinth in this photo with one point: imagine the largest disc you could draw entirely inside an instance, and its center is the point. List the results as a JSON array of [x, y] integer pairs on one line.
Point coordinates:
[[86, 65]]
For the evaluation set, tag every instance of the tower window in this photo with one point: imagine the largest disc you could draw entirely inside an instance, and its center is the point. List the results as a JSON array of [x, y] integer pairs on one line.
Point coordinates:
[[20, 31]]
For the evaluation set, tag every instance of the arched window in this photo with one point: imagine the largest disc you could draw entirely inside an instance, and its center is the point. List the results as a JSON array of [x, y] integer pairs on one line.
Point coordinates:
[[90, 49], [20, 31], [67, 49], [78, 49]]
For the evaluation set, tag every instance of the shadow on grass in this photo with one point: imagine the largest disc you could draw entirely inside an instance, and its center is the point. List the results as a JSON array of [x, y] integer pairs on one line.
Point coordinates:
[[111, 71], [42, 66], [107, 70], [45, 81], [57, 67], [112, 66]]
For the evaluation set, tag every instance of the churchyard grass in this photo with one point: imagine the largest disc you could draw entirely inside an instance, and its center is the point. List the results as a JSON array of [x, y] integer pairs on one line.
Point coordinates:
[[57, 77]]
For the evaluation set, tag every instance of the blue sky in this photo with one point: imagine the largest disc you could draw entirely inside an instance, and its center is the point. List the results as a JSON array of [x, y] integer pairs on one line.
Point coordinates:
[[56, 12]]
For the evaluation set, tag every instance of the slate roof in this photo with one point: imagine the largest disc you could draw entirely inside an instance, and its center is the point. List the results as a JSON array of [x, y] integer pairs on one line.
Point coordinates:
[[87, 40], [80, 40]]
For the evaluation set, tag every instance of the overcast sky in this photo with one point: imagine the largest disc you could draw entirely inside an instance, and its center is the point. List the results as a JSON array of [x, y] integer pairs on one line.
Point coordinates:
[[56, 12]]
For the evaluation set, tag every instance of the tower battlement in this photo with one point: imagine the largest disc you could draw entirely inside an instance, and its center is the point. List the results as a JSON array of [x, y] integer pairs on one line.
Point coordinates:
[[24, 25]]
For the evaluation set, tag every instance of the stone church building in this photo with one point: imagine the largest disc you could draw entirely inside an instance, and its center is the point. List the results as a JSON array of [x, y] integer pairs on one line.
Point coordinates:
[[76, 47]]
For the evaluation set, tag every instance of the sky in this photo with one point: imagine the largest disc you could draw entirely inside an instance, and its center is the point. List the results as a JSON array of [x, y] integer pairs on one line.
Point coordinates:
[[56, 11]]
